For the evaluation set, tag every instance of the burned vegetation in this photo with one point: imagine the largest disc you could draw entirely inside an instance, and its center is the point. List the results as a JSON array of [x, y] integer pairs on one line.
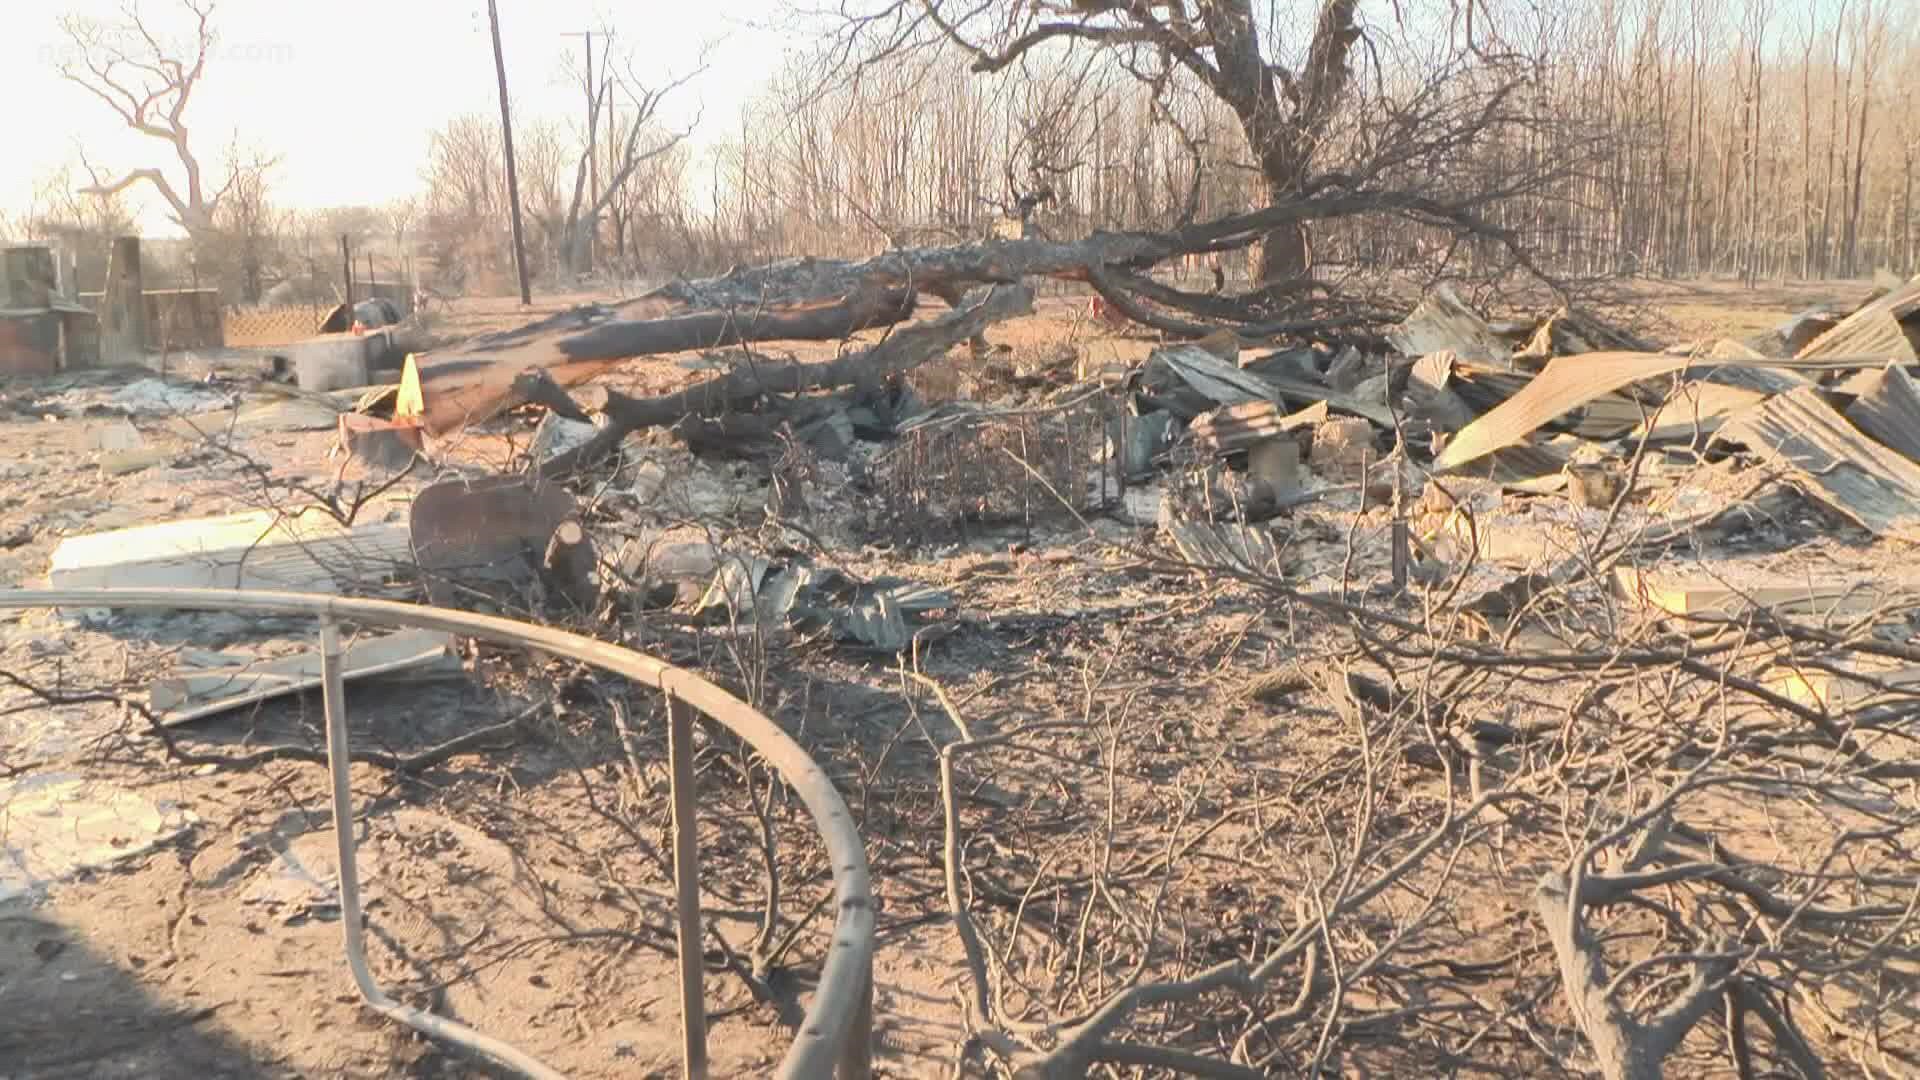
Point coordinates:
[[1337, 637]]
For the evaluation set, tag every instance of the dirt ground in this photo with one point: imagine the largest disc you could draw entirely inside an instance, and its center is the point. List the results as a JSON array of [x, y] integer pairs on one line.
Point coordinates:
[[524, 889]]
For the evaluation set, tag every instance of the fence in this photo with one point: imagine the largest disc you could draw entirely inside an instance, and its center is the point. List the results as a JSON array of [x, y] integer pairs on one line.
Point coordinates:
[[836, 1035], [269, 326]]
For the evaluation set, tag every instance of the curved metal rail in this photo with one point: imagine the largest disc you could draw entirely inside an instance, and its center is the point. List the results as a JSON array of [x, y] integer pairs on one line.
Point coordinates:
[[837, 1032]]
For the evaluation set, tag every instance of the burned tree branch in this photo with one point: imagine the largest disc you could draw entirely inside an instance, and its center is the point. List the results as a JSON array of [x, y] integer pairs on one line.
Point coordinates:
[[1627, 1049], [717, 329], [485, 378], [903, 350]]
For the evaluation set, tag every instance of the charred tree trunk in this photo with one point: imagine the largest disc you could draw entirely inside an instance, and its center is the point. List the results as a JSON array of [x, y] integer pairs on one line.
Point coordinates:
[[1285, 254], [1282, 115], [903, 350]]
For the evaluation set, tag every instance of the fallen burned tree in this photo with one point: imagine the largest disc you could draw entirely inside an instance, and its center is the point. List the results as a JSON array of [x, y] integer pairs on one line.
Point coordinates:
[[901, 350], [1113, 254], [482, 378], [826, 299]]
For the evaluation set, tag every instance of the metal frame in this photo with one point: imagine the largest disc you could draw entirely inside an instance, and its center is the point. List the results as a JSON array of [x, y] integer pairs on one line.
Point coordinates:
[[836, 1036]]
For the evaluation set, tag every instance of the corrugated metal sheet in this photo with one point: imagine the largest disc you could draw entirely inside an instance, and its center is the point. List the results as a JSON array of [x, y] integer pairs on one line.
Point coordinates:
[[1886, 329], [1566, 383], [1444, 321], [1829, 457], [1889, 410]]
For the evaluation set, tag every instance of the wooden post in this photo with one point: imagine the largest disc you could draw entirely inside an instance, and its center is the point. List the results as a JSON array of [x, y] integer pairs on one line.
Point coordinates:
[[686, 881], [513, 175], [346, 264]]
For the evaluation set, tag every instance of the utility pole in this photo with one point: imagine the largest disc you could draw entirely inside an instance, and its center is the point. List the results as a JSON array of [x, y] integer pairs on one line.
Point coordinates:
[[513, 176], [346, 262], [593, 142]]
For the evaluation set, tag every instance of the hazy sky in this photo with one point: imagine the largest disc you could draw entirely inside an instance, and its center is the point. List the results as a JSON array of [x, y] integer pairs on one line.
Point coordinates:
[[346, 92]]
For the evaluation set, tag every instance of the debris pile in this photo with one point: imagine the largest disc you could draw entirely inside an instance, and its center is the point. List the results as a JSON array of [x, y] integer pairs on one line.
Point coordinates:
[[1486, 454]]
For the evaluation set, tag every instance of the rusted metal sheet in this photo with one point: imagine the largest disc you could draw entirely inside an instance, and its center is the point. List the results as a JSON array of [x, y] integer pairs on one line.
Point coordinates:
[[306, 552], [1798, 332], [1834, 462], [1889, 410], [1697, 408], [1568, 333], [1769, 380], [1887, 329], [193, 695], [1587, 382], [1430, 397]]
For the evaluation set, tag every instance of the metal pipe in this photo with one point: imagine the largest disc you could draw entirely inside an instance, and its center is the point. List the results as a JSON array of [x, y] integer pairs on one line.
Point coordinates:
[[333, 692], [856, 1053], [837, 1013], [686, 882]]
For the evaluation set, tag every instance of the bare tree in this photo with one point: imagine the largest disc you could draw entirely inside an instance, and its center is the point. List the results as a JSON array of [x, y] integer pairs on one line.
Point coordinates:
[[244, 243], [403, 216], [149, 87], [542, 152], [1283, 93], [643, 142], [465, 199], [650, 221], [80, 218]]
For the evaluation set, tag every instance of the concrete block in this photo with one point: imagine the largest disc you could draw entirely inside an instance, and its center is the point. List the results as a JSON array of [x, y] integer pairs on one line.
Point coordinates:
[[330, 362]]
